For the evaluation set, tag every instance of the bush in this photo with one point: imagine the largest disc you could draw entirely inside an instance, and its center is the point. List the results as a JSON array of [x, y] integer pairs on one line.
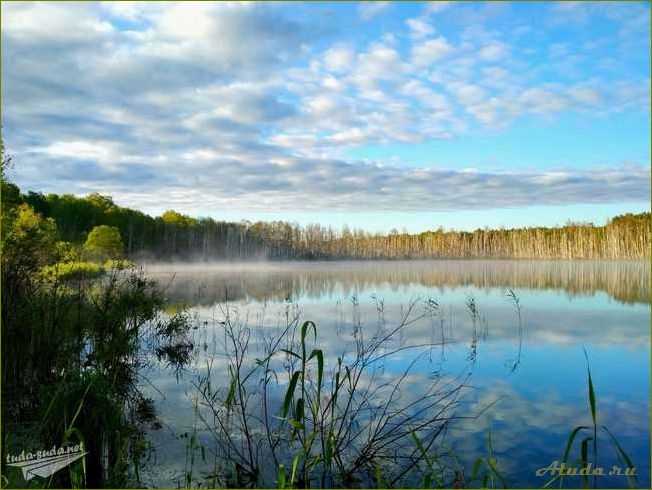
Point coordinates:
[[104, 243], [71, 270], [118, 264]]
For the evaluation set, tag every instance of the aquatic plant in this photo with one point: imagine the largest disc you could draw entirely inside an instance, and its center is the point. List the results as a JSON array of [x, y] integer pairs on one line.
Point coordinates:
[[588, 445], [341, 424]]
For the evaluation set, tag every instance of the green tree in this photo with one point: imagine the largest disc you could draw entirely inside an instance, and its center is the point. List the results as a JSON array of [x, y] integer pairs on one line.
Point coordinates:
[[5, 159], [104, 242], [9, 193], [30, 243], [174, 218]]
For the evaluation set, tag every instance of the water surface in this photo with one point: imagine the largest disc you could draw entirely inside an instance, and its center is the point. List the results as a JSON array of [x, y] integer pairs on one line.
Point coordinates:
[[534, 378]]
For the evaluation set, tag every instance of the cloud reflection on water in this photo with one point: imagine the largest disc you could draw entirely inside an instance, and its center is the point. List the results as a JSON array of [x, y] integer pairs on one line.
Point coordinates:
[[603, 306]]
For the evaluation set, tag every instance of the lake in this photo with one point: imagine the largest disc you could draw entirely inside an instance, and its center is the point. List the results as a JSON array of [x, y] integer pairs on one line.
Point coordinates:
[[526, 383]]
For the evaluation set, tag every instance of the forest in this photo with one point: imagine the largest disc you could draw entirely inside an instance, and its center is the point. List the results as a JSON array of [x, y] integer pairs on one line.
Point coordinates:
[[175, 236]]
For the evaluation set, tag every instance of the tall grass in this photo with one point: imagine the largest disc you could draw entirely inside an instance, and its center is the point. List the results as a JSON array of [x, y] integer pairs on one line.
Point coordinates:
[[291, 419], [588, 444], [72, 353], [516, 301], [485, 469]]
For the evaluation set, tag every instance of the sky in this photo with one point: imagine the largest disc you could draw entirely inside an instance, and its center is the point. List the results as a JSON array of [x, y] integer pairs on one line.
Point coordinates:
[[379, 115]]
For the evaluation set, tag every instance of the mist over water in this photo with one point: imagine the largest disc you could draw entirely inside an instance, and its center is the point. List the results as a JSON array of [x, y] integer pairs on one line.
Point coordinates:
[[624, 281], [534, 378]]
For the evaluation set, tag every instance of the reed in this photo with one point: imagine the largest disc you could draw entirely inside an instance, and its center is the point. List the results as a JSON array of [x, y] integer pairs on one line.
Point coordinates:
[[336, 425], [72, 353], [587, 435]]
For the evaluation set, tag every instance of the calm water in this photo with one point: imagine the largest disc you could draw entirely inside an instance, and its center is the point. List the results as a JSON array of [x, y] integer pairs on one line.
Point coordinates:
[[536, 377]]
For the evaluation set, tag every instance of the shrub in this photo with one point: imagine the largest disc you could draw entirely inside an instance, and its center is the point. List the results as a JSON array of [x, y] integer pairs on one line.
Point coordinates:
[[103, 243], [71, 270]]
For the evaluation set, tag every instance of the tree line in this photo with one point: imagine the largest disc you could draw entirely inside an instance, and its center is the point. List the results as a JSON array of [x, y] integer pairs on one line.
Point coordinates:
[[176, 236]]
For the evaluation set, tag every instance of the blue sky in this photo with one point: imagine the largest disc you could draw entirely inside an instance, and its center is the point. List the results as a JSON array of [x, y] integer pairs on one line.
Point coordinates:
[[379, 115]]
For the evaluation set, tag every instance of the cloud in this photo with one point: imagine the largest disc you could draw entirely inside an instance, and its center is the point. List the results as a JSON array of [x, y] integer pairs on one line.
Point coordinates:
[[84, 150], [541, 101], [436, 7], [242, 100], [368, 10], [419, 28], [494, 51], [586, 95], [24, 22], [285, 182], [428, 52], [127, 10], [339, 58], [379, 62]]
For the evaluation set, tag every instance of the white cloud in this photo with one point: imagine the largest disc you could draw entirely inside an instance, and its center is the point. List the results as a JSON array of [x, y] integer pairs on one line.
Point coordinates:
[[586, 95], [351, 136], [295, 141], [428, 52], [339, 58], [332, 83], [257, 103], [542, 101], [25, 21], [437, 6], [494, 75], [314, 184], [322, 105], [468, 93], [379, 63], [128, 10], [493, 51], [91, 150], [369, 10], [428, 97], [419, 28]]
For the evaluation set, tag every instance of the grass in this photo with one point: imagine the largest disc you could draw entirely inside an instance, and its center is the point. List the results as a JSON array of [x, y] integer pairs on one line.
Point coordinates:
[[485, 469], [337, 424], [289, 418], [77, 269], [588, 444], [71, 363], [63, 271]]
